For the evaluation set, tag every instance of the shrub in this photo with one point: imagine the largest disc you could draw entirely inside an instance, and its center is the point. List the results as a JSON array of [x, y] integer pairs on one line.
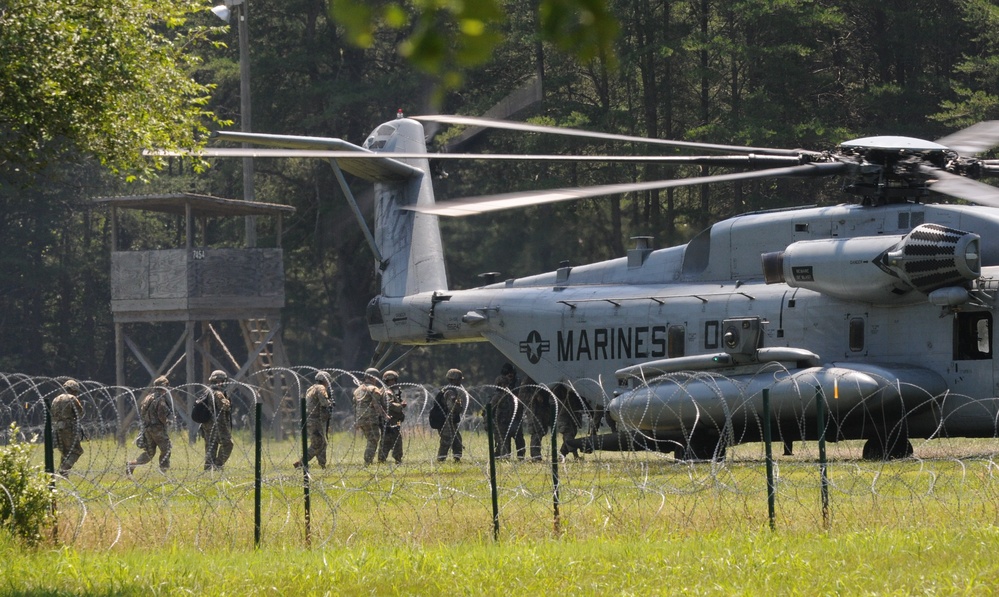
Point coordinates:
[[25, 500]]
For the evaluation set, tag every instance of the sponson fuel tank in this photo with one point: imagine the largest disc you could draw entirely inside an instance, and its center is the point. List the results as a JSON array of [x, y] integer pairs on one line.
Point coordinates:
[[678, 403], [879, 269]]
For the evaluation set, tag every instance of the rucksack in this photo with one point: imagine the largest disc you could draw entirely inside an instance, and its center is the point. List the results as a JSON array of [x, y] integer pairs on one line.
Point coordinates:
[[437, 415], [202, 412]]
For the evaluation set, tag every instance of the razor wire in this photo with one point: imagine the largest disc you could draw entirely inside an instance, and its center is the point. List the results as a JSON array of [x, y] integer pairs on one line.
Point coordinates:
[[563, 491]]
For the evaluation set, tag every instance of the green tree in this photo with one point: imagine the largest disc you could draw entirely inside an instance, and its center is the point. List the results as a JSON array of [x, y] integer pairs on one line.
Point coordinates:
[[447, 38], [106, 78], [975, 81]]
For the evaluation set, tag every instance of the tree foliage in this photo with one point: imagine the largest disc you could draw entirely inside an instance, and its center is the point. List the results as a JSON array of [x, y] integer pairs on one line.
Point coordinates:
[[777, 73], [446, 37], [25, 499], [106, 78]]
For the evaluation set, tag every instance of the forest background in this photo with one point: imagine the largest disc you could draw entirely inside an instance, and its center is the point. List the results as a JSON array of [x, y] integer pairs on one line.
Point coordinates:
[[778, 73]]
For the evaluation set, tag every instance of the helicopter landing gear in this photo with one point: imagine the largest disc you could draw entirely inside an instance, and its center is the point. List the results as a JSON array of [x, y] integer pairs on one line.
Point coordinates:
[[700, 452], [875, 449]]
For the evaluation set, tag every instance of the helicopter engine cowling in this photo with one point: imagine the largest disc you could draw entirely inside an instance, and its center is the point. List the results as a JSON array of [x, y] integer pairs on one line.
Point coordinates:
[[879, 269]]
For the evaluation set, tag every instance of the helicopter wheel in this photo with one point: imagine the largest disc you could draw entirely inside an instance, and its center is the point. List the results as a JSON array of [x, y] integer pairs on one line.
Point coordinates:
[[875, 450], [700, 452]]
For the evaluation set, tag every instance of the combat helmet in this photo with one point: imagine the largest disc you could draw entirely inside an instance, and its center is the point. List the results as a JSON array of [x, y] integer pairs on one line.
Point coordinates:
[[218, 376], [454, 375], [324, 378], [372, 372], [162, 381], [390, 375], [72, 386]]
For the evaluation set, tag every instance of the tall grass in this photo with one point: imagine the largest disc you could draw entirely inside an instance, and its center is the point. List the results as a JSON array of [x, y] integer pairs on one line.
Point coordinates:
[[942, 560], [628, 524]]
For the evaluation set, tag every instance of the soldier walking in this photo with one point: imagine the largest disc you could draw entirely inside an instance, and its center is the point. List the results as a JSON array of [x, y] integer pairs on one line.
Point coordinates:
[[568, 418], [155, 414], [452, 401], [369, 411], [537, 403], [507, 414], [217, 432], [319, 403], [67, 415], [395, 410]]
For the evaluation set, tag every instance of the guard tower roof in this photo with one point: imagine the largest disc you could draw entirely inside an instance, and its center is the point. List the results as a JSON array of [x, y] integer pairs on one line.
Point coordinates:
[[201, 205]]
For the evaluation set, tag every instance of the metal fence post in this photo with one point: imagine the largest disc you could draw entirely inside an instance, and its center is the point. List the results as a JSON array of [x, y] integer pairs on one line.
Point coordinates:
[[767, 441], [305, 474], [492, 469], [555, 479], [820, 416], [50, 467], [258, 441]]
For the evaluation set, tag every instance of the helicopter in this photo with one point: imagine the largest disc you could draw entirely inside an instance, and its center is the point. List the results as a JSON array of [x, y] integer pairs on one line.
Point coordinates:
[[883, 308]]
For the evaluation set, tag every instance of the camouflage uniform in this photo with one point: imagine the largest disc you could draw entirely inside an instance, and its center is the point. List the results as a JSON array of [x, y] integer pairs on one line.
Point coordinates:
[[217, 433], [454, 402], [318, 408], [538, 404], [568, 418], [507, 414], [67, 411], [395, 408], [155, 413], [369, 412]]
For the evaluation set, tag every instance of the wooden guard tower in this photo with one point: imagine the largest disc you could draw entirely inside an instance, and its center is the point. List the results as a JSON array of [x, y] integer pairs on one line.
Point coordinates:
[[199, 286]]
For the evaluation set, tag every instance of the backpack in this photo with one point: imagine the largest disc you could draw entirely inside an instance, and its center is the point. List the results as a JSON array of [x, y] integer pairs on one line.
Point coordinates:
[[437, 415], [202, 412]]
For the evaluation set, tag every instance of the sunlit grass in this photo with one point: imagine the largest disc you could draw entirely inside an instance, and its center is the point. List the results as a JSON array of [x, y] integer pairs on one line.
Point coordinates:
[[627, 523], [944, 560]]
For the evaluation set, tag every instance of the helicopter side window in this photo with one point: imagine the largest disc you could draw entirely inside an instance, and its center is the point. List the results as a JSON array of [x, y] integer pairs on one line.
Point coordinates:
[[711, 334], [973, 336], [857, 334], [676, 338]]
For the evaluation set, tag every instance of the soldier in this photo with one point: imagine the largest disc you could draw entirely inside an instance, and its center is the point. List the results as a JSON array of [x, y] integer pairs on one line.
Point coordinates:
[[507, 414], [319, 405], [568, 418], [155, 414], [218, 431], [395, 409], [452, 402], [537, 403], [67, 412], [369, 411]]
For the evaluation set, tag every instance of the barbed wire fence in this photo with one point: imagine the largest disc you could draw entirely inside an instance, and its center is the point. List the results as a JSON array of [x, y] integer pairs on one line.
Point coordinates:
[[547, 491]]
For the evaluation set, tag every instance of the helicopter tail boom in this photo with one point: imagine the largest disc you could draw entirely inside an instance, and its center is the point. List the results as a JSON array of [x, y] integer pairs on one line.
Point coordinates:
[[408, 242]]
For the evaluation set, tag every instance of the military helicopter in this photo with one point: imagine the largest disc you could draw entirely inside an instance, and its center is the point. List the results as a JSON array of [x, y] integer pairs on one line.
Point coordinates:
[[883, 308]]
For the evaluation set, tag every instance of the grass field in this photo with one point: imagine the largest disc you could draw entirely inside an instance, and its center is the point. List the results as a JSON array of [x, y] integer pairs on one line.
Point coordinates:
[[628, 524]]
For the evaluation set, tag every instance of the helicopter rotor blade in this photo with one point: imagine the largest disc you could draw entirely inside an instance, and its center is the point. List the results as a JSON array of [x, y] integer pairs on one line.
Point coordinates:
[[733, 161], [553, 130], [973, 140], [960, 187], [487, 203]]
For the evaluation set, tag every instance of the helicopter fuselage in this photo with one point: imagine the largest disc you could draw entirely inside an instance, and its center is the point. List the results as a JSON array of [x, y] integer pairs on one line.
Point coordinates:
[[584, 325]]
